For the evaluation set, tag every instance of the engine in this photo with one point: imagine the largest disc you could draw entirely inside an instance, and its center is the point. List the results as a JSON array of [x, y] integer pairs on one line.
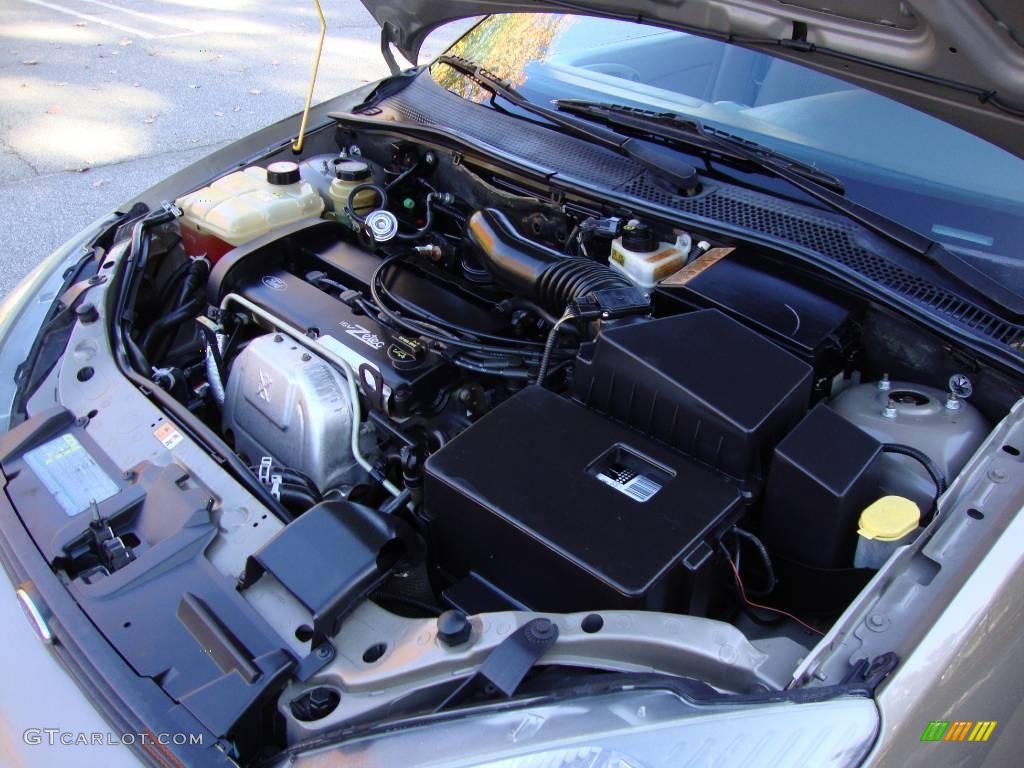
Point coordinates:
[[571, 406]]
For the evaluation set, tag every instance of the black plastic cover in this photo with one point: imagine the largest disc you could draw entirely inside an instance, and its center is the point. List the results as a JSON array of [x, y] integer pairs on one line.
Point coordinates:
[[822, 477], [169, 613], [814, 323], [700, 382], [565, 510], [330, 558]]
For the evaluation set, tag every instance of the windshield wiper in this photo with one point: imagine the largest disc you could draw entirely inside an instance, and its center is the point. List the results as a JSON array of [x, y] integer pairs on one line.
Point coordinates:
[[690, 133], [694, 135], [659, 159]]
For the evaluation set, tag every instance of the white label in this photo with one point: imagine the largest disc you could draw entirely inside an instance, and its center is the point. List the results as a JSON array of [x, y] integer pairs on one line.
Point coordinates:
[[70, 474]]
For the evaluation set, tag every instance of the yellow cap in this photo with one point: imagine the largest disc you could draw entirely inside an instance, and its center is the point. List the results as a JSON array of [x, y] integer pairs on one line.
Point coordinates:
[[889, 519]]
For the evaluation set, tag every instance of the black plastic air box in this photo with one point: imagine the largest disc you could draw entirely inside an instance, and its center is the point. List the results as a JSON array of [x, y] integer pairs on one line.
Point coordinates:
[[815, 323], [565, 510], [700, 382], [823, 475]]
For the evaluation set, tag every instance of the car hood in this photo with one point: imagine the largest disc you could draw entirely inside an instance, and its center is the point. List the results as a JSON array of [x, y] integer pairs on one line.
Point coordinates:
[[959, 60]]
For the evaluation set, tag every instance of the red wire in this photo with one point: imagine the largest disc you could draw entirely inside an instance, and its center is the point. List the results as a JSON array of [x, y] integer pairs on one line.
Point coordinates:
[[748, 601]]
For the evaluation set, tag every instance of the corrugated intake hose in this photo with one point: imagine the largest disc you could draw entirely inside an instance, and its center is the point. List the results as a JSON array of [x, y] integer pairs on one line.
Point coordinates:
[[529, 269]]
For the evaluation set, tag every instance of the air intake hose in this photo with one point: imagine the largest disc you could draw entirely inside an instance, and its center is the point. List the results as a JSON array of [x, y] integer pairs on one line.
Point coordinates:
[[527, 268]]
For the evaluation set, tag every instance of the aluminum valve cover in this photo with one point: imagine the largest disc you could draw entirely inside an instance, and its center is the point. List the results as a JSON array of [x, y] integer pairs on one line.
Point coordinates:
[[286, 403]]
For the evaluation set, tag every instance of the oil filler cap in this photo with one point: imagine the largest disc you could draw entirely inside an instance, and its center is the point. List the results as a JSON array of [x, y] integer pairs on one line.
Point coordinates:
[[283, 173]]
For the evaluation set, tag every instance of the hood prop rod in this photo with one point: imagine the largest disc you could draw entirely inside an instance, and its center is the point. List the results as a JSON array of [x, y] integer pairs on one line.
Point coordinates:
[[297, 144]]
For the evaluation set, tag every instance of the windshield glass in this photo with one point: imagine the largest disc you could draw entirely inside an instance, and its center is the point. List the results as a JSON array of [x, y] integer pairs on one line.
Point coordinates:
[[924, 173]]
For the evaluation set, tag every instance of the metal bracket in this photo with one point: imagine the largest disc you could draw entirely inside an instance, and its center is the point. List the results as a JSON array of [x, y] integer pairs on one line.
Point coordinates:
[[415, 659], [76, 291]]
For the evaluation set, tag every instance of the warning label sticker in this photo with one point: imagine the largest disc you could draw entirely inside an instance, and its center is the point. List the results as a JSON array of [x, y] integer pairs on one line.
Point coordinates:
[[168, 435], [70, 474]]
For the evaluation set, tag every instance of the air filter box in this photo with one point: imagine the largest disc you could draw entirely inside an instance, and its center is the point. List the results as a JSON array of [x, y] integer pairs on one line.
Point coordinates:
[[700, 382], [565, 510]]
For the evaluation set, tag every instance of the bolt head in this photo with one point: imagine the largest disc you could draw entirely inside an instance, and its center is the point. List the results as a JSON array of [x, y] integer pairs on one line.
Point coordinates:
[[453, 628], [87, 313]]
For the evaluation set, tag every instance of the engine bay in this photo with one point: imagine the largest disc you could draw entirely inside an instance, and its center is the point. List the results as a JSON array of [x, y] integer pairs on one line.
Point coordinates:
[[472, 402], [575, 410]]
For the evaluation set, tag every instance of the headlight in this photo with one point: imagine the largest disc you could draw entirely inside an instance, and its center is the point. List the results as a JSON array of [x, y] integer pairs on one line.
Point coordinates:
[[630, 730]]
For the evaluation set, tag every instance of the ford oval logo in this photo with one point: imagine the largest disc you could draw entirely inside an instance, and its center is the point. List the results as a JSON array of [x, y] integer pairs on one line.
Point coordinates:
[[275, 283]]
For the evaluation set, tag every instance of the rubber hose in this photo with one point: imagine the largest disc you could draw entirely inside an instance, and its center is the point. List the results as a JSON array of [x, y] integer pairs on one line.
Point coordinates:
[[541, 274], [930, 467]]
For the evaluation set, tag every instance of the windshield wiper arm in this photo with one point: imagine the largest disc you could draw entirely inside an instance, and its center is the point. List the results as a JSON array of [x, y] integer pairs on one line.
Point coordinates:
[[658, 159], [673, 128], [696, 135]]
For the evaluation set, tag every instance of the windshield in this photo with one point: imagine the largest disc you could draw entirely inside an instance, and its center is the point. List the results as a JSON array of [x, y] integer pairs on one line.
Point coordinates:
[[922, 172]]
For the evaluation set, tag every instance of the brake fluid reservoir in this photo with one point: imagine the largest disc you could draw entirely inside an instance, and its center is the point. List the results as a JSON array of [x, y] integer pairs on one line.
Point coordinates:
[[645, 261], [244, 205]]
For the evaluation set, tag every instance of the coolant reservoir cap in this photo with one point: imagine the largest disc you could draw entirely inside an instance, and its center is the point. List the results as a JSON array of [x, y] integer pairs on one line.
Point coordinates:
[[352, 170], [889, 519], [283, 173]]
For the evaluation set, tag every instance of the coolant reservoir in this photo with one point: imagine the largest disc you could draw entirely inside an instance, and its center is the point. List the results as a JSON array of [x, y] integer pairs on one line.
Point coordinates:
[[243, 206], [645, 261]]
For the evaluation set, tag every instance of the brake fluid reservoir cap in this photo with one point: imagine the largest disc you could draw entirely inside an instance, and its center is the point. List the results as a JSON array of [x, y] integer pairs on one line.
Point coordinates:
[[889, 519], [638, 237], [283, 173]]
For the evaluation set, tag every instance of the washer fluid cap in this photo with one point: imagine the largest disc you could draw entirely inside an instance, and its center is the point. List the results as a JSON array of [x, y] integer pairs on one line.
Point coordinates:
[[889, 519]]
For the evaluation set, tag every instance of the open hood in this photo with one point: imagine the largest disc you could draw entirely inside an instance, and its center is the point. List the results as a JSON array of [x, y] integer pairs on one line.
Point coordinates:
[[959, 60]]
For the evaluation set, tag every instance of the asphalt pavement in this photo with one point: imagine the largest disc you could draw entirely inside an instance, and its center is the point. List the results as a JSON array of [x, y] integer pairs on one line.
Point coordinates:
[[100, 99]]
